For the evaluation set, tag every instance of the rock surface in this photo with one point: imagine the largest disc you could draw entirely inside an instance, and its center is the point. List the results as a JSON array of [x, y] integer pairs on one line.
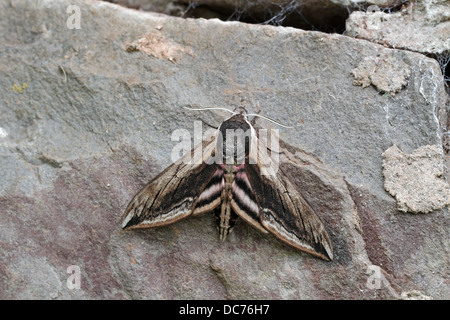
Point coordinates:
[[422, 27], [387, 74], [416, 180], [85, 123]]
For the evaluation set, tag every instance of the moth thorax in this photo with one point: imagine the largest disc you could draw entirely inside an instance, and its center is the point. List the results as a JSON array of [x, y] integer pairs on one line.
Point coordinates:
[[234, 139], [235, 146]]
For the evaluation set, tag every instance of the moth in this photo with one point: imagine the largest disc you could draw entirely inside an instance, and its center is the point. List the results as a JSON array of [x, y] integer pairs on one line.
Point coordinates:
[[215, 178]]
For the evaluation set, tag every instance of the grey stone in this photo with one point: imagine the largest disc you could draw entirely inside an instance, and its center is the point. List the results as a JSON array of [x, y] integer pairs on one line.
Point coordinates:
[[423, 27], [436, 11], [415, 295], [416, 180], [94, 121], [385, 73]]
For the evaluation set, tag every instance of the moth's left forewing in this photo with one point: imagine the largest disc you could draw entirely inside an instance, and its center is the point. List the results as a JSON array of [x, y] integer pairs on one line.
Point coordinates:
[[172, 195]]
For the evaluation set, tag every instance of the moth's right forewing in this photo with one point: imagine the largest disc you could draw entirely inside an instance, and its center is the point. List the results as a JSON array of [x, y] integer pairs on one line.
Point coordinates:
[[171, 195], [287, 215]]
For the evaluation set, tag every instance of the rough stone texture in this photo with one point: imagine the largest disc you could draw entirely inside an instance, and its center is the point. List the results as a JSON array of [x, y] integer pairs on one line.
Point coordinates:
[[436, 11], [422, 27], [156, 45], [387, 74], [415, 295], [416, 180], [86, 123]]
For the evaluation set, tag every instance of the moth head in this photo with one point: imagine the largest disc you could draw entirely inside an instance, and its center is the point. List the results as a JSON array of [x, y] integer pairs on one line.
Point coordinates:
[[240, 111]]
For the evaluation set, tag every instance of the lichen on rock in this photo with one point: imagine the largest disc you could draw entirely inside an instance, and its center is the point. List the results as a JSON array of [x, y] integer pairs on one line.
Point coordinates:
[[386, 73], [416, 179]]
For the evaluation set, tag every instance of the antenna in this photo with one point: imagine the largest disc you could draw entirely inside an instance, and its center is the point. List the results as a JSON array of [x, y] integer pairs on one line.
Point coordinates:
[[198, 108], [268, 119]]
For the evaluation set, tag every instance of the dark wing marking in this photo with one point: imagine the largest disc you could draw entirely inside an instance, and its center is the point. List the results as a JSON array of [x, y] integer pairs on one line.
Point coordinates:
[[285, 213], [243, 201], [210, 198], [172, 194]]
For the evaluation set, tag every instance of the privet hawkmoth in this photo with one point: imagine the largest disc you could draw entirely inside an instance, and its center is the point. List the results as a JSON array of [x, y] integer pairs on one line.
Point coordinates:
[[231, 178]]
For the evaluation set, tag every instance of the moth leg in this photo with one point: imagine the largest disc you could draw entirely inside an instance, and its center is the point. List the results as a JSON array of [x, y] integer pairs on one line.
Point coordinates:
[[225, 223], [211, 126]]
